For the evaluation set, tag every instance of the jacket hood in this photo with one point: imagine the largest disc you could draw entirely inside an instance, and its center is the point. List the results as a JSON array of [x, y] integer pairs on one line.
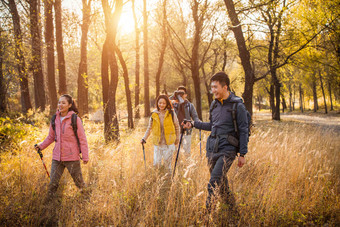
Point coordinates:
[[234, 98], [69, 114]]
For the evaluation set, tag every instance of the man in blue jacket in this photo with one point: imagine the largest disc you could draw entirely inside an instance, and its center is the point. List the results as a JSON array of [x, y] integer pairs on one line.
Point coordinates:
[[220, 151]]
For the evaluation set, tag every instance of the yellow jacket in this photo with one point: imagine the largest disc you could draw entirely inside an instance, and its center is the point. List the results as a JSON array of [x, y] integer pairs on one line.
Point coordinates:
[[169, 128]]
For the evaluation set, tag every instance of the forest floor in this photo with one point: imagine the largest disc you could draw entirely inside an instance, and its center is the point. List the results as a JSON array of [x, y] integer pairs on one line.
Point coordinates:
[[291, 177]]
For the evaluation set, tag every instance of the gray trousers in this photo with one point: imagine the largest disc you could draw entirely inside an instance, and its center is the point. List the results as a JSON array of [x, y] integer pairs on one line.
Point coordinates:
[[219, 167], [186, 143], [57, 170]]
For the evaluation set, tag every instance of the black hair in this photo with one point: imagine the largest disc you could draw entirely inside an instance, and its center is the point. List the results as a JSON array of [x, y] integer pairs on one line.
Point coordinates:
[[71, 100], [222, 78], [182, 88], [167, 100]]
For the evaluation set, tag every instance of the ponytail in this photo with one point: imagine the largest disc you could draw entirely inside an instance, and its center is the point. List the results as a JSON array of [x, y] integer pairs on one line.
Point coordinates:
[[71, 100]]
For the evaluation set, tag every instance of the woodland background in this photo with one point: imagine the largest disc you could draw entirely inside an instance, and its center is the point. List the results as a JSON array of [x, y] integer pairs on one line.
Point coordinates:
[[115, 57]]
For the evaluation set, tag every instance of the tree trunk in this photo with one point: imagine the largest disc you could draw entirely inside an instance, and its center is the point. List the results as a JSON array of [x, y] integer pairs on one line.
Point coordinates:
[[323, 92], [277, 101], [259, 99], [274, 22], [294, 97], [162, 52], [284, 105], [111, 126], [224, 63], [290, 97], [272, 99], [137, 31], [146, 62], [315, 95], [60, 48], [49, 40], [209, 95], [127, 88], [109, 84], [38, 76], [301, 97], [244, 56], [164, 89], [83, 100], [330, 94], [2, 79], [19, 55], [207, 85], [273, 64], [195, 59]]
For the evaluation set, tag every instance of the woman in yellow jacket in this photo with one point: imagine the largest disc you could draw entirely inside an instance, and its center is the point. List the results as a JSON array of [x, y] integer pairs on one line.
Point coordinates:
[[165, 130]]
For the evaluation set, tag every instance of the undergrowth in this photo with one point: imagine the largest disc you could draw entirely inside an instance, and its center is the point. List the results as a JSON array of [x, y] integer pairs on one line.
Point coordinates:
[[291, 177]]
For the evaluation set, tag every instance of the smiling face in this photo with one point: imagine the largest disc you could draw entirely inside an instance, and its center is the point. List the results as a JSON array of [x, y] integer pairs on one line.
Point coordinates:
[[219, 91], [162, 104], [63, 105]]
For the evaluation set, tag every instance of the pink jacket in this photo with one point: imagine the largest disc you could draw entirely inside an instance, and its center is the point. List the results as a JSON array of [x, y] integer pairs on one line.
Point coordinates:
[[66, 147]]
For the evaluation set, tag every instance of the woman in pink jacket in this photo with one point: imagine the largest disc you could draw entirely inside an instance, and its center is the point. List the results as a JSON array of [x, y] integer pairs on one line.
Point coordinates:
[[66, 153]]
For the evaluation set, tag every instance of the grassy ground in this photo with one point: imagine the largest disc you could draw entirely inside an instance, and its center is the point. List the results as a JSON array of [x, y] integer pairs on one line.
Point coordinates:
[[291, 178]]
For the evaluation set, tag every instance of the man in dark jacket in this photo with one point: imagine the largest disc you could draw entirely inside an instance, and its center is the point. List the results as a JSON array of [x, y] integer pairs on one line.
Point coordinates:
[[184, 110], [220, 151]]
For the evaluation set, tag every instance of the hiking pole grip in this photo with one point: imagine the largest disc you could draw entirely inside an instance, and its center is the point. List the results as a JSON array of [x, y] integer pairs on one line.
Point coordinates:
[[144, 154], [39, 151], [41, 157], [200, 143], [179, 147]]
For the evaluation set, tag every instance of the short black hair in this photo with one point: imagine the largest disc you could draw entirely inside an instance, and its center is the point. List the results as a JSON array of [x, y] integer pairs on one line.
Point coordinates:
[[182, 88], [222, 78]]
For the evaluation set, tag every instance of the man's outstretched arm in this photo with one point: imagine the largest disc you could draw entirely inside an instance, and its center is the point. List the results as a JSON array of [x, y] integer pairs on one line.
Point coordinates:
[[198, 124]]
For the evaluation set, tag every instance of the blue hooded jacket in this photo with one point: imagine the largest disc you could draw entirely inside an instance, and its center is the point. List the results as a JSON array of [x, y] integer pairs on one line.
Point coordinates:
[[221, 123]]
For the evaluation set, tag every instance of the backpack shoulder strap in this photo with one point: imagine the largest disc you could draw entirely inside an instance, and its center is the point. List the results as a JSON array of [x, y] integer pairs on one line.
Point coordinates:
[[74, 122], [172, 114], [75, 128], [212, 107], [53, 125], [233, 114], [53, 121]]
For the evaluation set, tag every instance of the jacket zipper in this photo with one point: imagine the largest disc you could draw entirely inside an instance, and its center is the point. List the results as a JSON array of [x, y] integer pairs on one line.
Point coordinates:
[[62, 131]]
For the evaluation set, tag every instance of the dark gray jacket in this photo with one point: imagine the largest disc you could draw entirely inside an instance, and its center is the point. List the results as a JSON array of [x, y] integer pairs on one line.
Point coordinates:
[[221, 123]]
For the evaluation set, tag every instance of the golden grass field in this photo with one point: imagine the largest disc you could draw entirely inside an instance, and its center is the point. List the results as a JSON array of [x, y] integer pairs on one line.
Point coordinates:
[[291, 177]]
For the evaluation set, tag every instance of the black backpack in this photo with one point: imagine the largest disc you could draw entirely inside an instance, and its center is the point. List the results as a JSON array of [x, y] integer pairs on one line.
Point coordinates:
[[234, 116], [74, 127]]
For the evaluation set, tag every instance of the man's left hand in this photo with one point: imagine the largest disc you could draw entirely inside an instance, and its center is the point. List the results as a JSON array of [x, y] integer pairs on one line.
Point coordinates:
[[241, 161]]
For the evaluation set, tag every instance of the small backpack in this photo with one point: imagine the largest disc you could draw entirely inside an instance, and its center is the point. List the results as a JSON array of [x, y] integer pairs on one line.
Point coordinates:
[[74, 127], [234, 115]]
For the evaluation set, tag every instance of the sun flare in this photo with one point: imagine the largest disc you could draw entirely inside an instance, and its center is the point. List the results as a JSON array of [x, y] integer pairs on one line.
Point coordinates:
[[126, 22]]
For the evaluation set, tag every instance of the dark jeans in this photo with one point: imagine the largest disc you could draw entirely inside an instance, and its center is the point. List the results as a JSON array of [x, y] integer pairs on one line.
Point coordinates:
[[57, 170], [219, 167]]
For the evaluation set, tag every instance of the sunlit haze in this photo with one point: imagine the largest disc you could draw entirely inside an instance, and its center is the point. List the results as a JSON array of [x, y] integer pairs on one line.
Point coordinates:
[[126, 22]]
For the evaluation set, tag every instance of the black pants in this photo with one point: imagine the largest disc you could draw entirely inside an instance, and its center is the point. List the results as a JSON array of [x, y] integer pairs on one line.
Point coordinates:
[[219, 167]]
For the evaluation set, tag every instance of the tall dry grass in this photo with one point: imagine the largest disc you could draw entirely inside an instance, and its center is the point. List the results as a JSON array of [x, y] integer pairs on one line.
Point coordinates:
[[291, 178]]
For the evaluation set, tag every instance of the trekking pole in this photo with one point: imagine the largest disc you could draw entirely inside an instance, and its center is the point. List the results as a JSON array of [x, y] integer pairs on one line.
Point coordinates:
[[200, 143], [41, 157], [179, 147], [144, 155]]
